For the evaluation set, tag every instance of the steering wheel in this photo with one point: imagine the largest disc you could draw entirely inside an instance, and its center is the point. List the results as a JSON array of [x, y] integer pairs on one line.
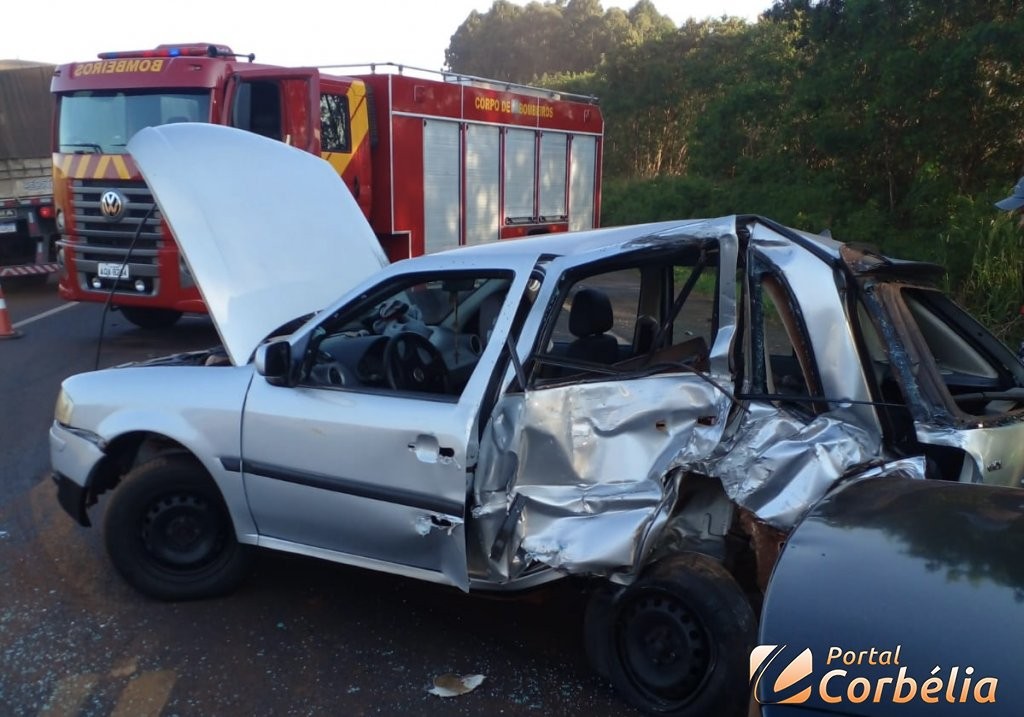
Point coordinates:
[[412, 363], [326, 371]]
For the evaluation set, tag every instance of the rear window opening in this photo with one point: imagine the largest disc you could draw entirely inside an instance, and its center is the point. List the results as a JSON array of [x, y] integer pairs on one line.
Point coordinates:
[[981, 375]]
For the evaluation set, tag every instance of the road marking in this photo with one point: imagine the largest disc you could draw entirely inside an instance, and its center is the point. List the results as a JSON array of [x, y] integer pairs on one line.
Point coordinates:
[[146, 695], [51, 312], [68, 696]]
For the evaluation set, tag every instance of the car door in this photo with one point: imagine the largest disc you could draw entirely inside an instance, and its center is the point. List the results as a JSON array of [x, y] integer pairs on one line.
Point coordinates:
[[576, 466], [283, 104], [807, 416], [355, 470]]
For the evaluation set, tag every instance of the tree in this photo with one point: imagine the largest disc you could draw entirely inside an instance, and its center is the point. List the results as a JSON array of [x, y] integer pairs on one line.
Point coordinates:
[[899, 95], [647, 24], [523, 43]]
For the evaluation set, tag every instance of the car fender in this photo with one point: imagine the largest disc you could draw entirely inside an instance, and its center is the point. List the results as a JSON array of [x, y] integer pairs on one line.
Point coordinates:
[[199, 408]]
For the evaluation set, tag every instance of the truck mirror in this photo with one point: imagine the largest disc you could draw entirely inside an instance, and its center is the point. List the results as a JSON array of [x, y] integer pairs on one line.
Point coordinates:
[[274, 362]]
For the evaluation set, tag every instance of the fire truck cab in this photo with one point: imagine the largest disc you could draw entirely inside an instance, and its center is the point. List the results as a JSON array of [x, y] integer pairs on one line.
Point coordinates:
[[434, 160]]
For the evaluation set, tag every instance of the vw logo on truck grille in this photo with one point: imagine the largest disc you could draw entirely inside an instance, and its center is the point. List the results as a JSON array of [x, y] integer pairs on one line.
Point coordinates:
[[112, 205]]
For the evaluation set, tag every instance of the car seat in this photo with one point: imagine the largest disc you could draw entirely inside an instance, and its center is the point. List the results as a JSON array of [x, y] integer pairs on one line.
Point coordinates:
[[589, 319]]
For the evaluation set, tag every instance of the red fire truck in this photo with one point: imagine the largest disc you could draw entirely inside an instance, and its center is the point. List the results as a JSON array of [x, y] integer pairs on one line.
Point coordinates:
[[434, 159]]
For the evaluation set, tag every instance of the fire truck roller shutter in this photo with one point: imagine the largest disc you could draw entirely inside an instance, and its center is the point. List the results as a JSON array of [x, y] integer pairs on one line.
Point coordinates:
[[582, 182], [553, 160], [441, 177], [520, 179], [483, 183]]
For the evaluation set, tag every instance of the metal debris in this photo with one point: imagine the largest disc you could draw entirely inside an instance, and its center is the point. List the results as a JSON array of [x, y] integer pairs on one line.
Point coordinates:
[[452, 685]]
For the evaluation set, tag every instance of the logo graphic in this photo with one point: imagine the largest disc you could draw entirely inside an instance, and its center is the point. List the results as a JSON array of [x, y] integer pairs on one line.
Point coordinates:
[[112, 205], [877, 675], [797, 671]]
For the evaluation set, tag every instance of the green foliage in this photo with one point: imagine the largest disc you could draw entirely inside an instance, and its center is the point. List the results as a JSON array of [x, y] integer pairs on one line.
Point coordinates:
[[984, 258], [523, 43], [981, 249], [626, 201]]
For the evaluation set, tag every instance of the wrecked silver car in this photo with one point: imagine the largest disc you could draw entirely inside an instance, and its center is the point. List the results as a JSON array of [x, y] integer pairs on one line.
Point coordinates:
[[651, 408]]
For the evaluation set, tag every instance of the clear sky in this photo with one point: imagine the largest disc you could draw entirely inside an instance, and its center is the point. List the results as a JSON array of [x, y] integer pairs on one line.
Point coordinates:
[[309, 32]]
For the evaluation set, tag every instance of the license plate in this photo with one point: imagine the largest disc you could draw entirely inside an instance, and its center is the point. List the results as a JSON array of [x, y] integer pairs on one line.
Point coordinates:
[[8, 228], [109, 271]]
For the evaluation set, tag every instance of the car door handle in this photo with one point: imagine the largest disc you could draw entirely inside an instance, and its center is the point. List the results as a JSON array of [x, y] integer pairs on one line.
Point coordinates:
[[428, 450]]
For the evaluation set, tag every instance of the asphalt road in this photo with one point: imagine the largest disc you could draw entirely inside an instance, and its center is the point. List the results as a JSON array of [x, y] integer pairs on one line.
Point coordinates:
[[301, 637]]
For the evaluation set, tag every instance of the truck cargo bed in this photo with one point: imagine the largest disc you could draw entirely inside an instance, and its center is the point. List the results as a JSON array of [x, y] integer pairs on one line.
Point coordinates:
[[25, 178]]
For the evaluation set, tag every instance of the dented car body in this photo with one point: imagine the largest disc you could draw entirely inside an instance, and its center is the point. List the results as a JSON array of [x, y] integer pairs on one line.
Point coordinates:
[[594, 404]]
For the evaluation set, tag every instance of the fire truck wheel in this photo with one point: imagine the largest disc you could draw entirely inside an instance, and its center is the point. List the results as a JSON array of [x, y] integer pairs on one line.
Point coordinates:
[[150, 318], [680, 638], [169, 534]]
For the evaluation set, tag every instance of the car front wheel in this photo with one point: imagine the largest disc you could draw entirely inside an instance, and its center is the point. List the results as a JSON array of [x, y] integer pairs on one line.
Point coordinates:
[[169, 534], [679, 639]]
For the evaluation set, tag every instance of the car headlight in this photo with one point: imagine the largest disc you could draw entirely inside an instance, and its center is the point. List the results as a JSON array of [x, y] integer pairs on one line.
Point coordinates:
[[64, 408]]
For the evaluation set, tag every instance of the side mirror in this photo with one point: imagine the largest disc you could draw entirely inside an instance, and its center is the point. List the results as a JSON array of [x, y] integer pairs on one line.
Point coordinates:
[[274, 362]]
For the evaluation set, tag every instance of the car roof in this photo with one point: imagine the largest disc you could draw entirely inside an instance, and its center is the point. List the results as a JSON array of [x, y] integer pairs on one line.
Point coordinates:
[[623, 238], [860, 260], [583, 243]]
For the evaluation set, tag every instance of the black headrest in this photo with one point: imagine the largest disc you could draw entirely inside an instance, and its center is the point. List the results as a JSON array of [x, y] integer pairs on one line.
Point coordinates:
[[591, 313]]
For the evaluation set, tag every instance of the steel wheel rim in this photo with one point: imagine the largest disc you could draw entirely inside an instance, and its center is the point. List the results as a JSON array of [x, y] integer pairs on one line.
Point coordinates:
[[182, 532], [664, 647]]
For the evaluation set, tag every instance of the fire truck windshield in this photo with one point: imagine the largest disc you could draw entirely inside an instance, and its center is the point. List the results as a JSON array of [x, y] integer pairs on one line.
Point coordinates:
[[102, 121]]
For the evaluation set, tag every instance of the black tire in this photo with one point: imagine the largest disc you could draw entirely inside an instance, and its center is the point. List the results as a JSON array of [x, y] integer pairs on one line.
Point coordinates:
[[169, 534], [596, 624], [151, 318], [680, 640]]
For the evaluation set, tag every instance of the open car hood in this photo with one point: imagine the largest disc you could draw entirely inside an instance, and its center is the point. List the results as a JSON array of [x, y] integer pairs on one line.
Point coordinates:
[[269, 232]]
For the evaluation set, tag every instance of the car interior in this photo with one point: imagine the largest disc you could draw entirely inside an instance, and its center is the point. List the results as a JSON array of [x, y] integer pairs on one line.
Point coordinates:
[[654, 314], [982, 377], [419, 335], [657, 313]]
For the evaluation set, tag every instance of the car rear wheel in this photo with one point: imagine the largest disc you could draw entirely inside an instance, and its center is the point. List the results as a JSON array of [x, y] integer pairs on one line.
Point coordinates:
[[169, 534], [151, 318], [679, 639], [596, 622]]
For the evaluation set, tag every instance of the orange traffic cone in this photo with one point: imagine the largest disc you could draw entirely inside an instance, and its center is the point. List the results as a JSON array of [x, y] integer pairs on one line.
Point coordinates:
[[6, 330]]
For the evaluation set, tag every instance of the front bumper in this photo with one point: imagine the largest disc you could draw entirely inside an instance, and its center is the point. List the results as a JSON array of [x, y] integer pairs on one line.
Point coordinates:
[[72, 498], [73, 457]]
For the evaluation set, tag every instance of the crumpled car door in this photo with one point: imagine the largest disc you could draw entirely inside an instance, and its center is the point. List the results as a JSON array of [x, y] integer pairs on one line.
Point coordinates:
[[808, 419], [578, 477], [579, 474]]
